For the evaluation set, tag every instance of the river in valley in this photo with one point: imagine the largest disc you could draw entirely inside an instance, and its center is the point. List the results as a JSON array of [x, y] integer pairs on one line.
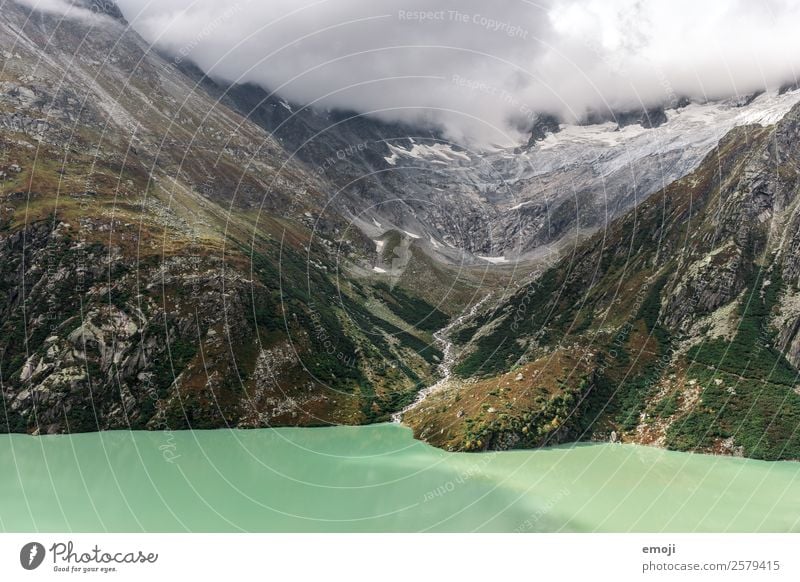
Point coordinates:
[[376, 478]]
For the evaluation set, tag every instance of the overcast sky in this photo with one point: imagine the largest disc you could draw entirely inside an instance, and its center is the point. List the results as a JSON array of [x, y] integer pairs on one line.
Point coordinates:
[[479, 68]]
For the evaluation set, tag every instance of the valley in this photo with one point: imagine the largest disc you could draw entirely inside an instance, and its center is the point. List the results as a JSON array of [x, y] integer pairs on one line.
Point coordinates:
[[181, 253]]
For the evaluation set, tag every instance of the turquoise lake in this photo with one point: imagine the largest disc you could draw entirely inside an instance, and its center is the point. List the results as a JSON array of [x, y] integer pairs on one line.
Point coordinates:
[[376, 479]]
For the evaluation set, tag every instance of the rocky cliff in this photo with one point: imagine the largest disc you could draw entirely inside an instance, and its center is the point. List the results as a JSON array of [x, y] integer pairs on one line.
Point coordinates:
[[676, 326], [165, 262], [179, 253]]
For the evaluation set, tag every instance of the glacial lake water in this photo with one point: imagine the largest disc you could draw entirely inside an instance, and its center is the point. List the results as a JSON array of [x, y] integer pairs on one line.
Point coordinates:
[[376, 478]]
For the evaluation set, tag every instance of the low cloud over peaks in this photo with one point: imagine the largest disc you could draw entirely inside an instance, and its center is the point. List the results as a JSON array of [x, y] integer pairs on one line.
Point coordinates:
[[481, 71]]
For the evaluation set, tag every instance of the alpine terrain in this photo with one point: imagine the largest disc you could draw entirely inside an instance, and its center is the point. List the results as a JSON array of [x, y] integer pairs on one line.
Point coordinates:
[[177, 251]]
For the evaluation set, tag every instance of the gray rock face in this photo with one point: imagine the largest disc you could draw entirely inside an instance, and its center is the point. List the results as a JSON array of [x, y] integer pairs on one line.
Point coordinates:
[[544, 125], [156, 247], [570, 181], [99, 357], [687, 310], [179, 243], [106, 7], [67, 78], [117, 174]]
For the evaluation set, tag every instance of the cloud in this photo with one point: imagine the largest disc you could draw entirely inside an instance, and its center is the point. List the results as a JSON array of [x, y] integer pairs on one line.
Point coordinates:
[[480, 70], [73, 9]]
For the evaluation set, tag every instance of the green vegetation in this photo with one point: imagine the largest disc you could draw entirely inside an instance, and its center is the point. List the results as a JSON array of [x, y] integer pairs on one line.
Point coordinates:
[[636, 390], [558, 418], [166, 369], [416, 312], [465, 334], [526, 315], [747, 387], [330, 318], [667, 406]]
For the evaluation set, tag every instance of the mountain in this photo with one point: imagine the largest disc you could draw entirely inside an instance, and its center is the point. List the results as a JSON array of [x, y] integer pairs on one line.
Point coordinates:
[[164, 262], [506, 204], [677, 326], [179, 252]]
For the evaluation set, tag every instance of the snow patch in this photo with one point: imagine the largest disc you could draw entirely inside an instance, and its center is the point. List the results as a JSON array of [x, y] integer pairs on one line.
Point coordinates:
[[437, 153], [494, 260], [522, 204]]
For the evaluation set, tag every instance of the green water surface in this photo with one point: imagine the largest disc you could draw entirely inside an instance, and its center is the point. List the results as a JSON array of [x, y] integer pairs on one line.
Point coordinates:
[[376, 478]]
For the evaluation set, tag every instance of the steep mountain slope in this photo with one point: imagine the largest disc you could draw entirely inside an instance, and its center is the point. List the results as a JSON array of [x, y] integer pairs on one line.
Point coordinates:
[[506, 204], [165, 263], [676, 326], [176, 253]]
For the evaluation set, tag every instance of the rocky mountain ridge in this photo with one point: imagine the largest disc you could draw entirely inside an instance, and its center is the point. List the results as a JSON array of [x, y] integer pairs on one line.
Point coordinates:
[[179, 253], [676, 326], [506, 204], [164, 262]]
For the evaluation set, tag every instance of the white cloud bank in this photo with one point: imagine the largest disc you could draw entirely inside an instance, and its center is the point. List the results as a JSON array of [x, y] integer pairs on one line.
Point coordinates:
[[478, 69]]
